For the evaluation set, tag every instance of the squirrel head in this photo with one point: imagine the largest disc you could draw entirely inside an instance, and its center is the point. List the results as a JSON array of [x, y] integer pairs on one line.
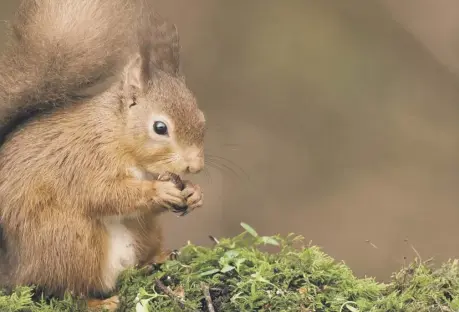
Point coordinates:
[[163, 126]]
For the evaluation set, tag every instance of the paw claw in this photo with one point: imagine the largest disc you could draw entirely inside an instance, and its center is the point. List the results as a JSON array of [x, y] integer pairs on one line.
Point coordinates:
[[195, 199]]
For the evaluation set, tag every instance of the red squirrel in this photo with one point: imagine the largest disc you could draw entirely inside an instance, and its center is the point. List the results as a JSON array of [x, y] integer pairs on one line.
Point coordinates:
[[92, 104]]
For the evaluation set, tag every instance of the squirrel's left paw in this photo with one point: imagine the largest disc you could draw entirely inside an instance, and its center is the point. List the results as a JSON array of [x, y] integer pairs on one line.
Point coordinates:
[[193, 195]]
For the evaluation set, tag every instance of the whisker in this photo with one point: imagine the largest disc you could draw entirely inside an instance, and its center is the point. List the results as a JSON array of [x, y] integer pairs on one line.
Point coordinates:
[[224, 168], [228, 165], [206, 172], [163, 162]]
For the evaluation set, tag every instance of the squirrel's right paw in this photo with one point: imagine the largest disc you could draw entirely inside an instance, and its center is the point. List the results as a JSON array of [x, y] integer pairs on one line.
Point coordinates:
[[168, 195]]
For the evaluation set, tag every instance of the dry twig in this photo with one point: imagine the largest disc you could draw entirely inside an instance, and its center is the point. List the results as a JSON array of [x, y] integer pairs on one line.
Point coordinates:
[[206, 291], [214, 240], [169, 292]]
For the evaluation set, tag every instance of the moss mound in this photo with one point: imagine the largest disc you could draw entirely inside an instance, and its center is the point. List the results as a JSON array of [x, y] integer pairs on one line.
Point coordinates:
[[237, 275]]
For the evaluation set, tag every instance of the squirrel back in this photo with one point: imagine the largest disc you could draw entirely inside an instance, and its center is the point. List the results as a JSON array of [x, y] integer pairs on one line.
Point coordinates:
[[66, 51]]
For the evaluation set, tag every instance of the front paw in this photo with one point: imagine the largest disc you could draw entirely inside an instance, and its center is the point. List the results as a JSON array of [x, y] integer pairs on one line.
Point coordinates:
[[169, 196], [193, 196]]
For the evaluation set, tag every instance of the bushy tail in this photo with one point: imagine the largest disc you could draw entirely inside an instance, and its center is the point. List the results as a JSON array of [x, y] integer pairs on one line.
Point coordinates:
[[60, 48]]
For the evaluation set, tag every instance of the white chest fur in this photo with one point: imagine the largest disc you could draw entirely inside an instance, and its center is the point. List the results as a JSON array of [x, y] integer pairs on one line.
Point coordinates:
[[121, 252], [121, 244]]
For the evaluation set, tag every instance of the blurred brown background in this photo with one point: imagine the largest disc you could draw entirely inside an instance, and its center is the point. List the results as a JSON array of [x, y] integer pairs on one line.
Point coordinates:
[[338, 121]]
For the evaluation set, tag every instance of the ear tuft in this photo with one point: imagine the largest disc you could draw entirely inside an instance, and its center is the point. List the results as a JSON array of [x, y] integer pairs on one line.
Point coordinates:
[[133, 79], [166, 48], [159, 39]]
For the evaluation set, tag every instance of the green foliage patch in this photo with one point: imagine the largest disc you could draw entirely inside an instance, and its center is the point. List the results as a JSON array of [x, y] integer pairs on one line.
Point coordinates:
[[237, 274]]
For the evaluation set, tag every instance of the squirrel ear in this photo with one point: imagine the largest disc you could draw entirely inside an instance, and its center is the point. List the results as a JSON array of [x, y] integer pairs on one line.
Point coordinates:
[[134, 77]]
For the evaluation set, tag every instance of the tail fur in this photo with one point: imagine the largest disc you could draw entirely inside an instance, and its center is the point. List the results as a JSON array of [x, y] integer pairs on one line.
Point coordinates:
[[58, 50]]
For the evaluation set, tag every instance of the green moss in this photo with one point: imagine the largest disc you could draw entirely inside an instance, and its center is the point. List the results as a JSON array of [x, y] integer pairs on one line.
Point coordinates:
[[241, 276]]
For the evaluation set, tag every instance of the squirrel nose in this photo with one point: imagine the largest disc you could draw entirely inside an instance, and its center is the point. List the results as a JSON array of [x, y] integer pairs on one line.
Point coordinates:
[[194, 169], [194, 160], [195, 166]]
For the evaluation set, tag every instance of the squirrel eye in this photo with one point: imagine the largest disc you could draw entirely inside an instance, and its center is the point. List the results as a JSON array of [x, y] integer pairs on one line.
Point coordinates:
[[160, 128]]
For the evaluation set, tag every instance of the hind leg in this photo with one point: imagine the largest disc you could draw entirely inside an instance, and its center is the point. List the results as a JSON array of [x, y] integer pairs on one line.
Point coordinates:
[[148, 234], [61, 253]]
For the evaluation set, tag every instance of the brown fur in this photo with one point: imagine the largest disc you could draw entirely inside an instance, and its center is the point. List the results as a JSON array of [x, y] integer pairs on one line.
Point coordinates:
[[149, 237], [59, 51], [65, 170]]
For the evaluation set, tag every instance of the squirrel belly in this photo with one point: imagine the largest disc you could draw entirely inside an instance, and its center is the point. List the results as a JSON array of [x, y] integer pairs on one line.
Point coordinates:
[[121, 250]]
